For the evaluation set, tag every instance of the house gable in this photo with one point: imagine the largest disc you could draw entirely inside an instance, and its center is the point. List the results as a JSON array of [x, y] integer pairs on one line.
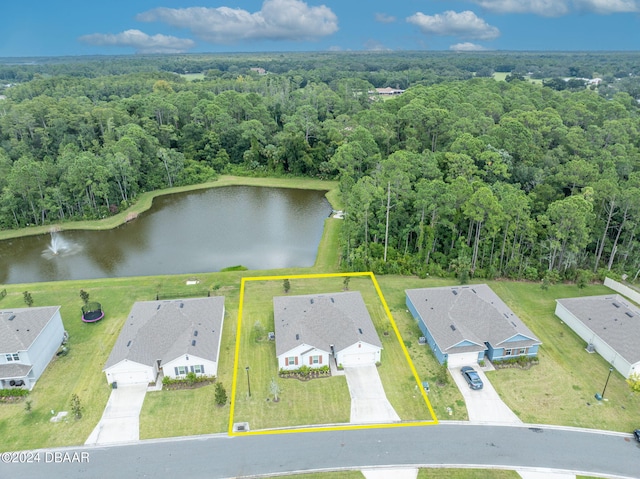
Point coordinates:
[[168, 330], [459, 319], [326, 322]]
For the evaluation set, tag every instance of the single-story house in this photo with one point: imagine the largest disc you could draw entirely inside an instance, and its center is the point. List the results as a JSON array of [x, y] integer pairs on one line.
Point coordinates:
[[465, 324], [29, 339], [174, 337], [609, 324], [312, 330]]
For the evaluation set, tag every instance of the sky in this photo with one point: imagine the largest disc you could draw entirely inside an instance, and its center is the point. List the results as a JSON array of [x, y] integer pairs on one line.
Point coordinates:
[[82, 27]]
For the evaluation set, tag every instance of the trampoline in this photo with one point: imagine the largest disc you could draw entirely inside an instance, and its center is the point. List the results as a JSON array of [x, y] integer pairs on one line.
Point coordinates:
[[92, 312]]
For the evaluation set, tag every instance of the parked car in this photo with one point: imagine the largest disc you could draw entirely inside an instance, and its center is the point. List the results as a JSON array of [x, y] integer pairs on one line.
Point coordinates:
[[636, 434], [471, 376]]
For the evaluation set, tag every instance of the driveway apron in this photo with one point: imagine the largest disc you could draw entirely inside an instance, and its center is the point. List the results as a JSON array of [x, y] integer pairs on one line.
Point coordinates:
[[483, 405], [369, 403], [120, 421]]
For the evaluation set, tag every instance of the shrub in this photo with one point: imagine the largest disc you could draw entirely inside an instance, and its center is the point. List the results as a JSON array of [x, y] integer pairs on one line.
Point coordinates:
[[220, 395], [531, 273]]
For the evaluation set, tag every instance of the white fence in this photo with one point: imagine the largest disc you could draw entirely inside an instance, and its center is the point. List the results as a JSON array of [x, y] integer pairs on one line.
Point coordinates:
[[632, 294]]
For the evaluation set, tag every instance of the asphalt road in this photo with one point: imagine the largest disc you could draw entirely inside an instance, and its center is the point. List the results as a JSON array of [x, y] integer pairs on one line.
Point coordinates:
[[210, 457]]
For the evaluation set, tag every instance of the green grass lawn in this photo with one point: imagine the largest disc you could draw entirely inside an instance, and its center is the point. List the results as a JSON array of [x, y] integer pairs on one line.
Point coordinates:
[[559, 390], [322, 400]]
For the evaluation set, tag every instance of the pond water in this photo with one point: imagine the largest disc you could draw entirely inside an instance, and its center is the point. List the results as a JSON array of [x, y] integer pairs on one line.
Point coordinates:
[[194, 232]]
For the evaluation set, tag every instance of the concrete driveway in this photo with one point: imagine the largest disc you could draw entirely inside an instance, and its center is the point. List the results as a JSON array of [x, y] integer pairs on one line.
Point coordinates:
[[120, 421], [369, 402], [483, 405]]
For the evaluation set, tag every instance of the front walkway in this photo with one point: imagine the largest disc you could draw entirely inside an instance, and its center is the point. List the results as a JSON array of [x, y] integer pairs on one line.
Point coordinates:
[[120, 421]]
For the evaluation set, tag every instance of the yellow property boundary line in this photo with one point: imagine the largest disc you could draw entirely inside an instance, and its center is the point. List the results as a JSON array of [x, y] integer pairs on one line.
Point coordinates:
[[329, 427]]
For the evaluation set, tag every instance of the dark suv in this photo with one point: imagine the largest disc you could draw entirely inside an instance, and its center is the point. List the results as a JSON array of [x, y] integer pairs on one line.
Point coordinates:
[[636, 434], [471, 376]]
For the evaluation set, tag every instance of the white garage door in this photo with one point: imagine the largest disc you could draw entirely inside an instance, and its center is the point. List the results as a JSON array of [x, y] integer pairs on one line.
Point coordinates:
[[358, 359], [130, 377], [462, 359]]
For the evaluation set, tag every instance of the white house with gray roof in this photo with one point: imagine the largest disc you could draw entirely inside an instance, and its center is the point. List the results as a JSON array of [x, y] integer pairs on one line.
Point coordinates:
[[174, 337], [312, 330], [610, 326], [465, 324], [29, 339]]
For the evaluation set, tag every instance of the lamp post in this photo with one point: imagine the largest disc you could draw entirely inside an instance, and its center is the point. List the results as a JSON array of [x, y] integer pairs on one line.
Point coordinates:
[[248, 381], [607, 381]]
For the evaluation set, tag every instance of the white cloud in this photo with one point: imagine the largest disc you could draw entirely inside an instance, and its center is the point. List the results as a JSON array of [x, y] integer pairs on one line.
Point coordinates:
[[464, 24], [608, 6], [547, 8], [142, 42], [277, 20], [467, 47], [384, 18], [556, 8]]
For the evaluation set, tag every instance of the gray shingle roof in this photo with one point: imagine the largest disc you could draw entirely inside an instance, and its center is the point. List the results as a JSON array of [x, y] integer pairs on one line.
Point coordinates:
[[166, 330], [13, 370], [20, 327], [320, 320], [610, 323], [469, 313]]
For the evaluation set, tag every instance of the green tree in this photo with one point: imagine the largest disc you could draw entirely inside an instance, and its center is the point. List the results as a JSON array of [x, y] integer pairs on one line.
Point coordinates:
[[28, 299], [76, 406], [286, 285], [220, 395]]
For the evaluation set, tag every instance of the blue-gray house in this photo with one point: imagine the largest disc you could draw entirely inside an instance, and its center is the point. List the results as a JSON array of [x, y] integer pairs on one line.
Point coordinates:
[[465, 324], [29, 339]]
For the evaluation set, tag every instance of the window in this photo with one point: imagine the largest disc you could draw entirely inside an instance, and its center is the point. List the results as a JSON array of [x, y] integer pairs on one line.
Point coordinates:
[[508, 352], [198, 369], [522, 351], [12, 357], [291, 361], [316, 359], [182, 370]]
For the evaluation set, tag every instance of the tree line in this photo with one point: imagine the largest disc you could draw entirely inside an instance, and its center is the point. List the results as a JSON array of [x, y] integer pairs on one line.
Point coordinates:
[[465, 175]]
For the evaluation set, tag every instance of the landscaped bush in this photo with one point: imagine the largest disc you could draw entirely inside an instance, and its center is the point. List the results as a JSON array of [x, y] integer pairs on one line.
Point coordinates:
[[190, 381], [305, 372], [523, 362], [11, 395]]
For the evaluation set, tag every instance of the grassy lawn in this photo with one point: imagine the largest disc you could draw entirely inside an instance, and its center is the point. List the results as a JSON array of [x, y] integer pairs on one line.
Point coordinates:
[[319, 401], [559, 390]]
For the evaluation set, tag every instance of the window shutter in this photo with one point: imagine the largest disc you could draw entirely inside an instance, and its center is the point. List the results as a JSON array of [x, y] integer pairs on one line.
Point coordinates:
[[176, 370], [286, 361], [202, 368], [191, 368], [310, 359], [296, 360], [320, 359]]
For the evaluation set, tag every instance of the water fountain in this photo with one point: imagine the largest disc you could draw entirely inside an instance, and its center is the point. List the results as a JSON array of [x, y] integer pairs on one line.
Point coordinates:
[[58, 246]]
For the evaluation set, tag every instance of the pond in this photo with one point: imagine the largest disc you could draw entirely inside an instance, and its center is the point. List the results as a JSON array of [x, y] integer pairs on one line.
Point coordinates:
[[194, 232]]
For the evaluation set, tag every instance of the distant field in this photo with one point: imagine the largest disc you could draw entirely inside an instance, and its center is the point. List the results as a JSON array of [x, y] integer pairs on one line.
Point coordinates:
[[501, 76]]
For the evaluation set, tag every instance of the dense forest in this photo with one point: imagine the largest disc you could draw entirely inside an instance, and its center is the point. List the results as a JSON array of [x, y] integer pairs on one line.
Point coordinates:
[[534, 177]]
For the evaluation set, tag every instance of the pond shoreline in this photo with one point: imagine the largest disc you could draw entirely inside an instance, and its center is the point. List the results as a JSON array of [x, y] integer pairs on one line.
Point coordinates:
[[145, 201]]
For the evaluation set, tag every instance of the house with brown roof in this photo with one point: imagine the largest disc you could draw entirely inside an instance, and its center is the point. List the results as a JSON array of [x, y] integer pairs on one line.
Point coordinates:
[[609, 325], [465, 324], [175, 337], [312, 330]]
